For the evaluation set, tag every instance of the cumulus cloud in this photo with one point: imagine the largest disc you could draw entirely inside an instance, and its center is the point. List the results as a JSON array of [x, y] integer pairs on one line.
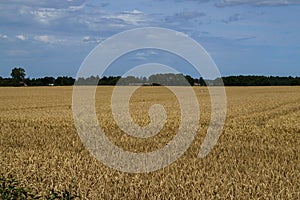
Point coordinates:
[[143, 54], [32, 15], [47, 14], [48, 39], [86, 38], [62, 17], [58, 4], [92, 39], [134, 12], [21, 37], [223, 3], [140, 56], [42, 38], [134, 17], [3, 36]]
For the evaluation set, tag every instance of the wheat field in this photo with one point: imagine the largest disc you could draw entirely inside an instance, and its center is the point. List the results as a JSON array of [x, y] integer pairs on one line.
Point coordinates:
[[256, 157]]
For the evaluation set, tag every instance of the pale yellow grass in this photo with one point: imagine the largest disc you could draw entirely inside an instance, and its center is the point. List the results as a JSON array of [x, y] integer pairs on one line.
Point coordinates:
[[257, 156]]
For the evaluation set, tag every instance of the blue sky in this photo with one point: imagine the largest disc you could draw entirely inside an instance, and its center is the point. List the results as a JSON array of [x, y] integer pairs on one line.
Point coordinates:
[[52, 37]]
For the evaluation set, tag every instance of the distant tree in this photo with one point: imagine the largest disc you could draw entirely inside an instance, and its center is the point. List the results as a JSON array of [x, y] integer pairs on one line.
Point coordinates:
[[190, 79], [112, 80], [64, 80], [48, 80], [102, 81], [18, 74], [129, 80], [295, 81], [145, 80], [92, 80], [251, 81], [202, 81], [40, 81]]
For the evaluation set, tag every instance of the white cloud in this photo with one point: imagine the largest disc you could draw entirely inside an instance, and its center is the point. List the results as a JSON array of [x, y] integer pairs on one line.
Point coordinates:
[[140, 56], [3, 36], [151, 52], [86, 38], [46, 3], [134, 12], [76, 16], [42, 38], [258, 2], [21, 37], [49, 39], [134, 17], [92, 39], [76, 8], [45, 15], [144, 54]]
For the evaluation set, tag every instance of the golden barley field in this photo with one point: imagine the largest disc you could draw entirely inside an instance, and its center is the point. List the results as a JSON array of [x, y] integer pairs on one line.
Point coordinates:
[[256, 157]]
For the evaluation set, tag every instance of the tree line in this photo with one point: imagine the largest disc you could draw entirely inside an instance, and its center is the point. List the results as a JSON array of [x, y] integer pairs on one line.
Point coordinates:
[[259, 81], [155, 79], [18, 79]]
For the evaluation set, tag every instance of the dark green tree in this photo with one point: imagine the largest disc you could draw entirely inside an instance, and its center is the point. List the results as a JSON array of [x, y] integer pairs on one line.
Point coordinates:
[[202, 81], [64, 80], [190, 79], [18, 74]]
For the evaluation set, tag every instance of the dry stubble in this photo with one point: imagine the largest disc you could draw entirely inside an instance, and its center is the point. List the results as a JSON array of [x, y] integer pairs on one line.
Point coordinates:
[[257, 155]]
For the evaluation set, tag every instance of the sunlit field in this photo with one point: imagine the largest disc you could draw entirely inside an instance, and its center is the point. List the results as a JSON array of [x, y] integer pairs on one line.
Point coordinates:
[[256, 157]]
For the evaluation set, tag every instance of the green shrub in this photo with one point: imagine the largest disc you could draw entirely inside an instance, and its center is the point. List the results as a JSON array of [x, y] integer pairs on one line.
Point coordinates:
[[10, 189]]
